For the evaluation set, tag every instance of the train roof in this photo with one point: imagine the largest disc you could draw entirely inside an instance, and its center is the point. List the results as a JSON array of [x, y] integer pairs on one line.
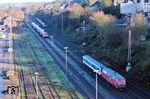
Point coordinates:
[[113, 73], [93, 61], [103, 67]]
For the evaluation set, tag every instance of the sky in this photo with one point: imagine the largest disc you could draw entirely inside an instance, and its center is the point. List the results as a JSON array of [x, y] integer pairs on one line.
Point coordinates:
[[20, 1]]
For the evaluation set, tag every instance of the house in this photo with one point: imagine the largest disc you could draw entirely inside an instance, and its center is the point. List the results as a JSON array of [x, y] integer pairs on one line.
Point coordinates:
[[128, 7], [143, 5], [137, 6]]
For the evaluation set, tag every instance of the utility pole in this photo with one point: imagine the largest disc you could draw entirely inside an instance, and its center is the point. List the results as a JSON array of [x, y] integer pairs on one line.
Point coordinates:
[[129, 52], [129, 47], [97, 71], [66, 50], [10, 49], [96, 87], [36, 78], [51, 40], [128, 67], [62, 23], [124, 9], [84, 32]]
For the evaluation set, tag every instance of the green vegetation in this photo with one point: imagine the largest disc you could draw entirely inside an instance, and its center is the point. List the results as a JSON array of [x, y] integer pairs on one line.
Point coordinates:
[[103, 37], [40, 58], [107, 3], [140, 26]]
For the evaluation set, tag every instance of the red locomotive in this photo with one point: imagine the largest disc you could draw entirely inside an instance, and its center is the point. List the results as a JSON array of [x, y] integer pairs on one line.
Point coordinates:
[[111, 76]]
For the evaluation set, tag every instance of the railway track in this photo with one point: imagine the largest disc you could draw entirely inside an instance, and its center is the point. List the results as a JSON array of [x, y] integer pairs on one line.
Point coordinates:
[[49, 84], [69, 93], [26, 77], [42, 78], [21, 76], [23, 91], [144, 82], [76, 60], [131, 83], [24, 80], [137, 90], [125, 94], [79, 82]]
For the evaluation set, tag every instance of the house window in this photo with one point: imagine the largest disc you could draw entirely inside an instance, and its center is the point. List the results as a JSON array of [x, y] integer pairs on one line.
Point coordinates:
[[145, 1], [138, 1]]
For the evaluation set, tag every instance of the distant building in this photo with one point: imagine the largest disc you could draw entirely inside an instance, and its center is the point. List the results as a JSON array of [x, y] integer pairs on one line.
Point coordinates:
[[143, 5], [92, 2], [13, 22], [116, 2], [1, 22], [128, 7], [140, 6]]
